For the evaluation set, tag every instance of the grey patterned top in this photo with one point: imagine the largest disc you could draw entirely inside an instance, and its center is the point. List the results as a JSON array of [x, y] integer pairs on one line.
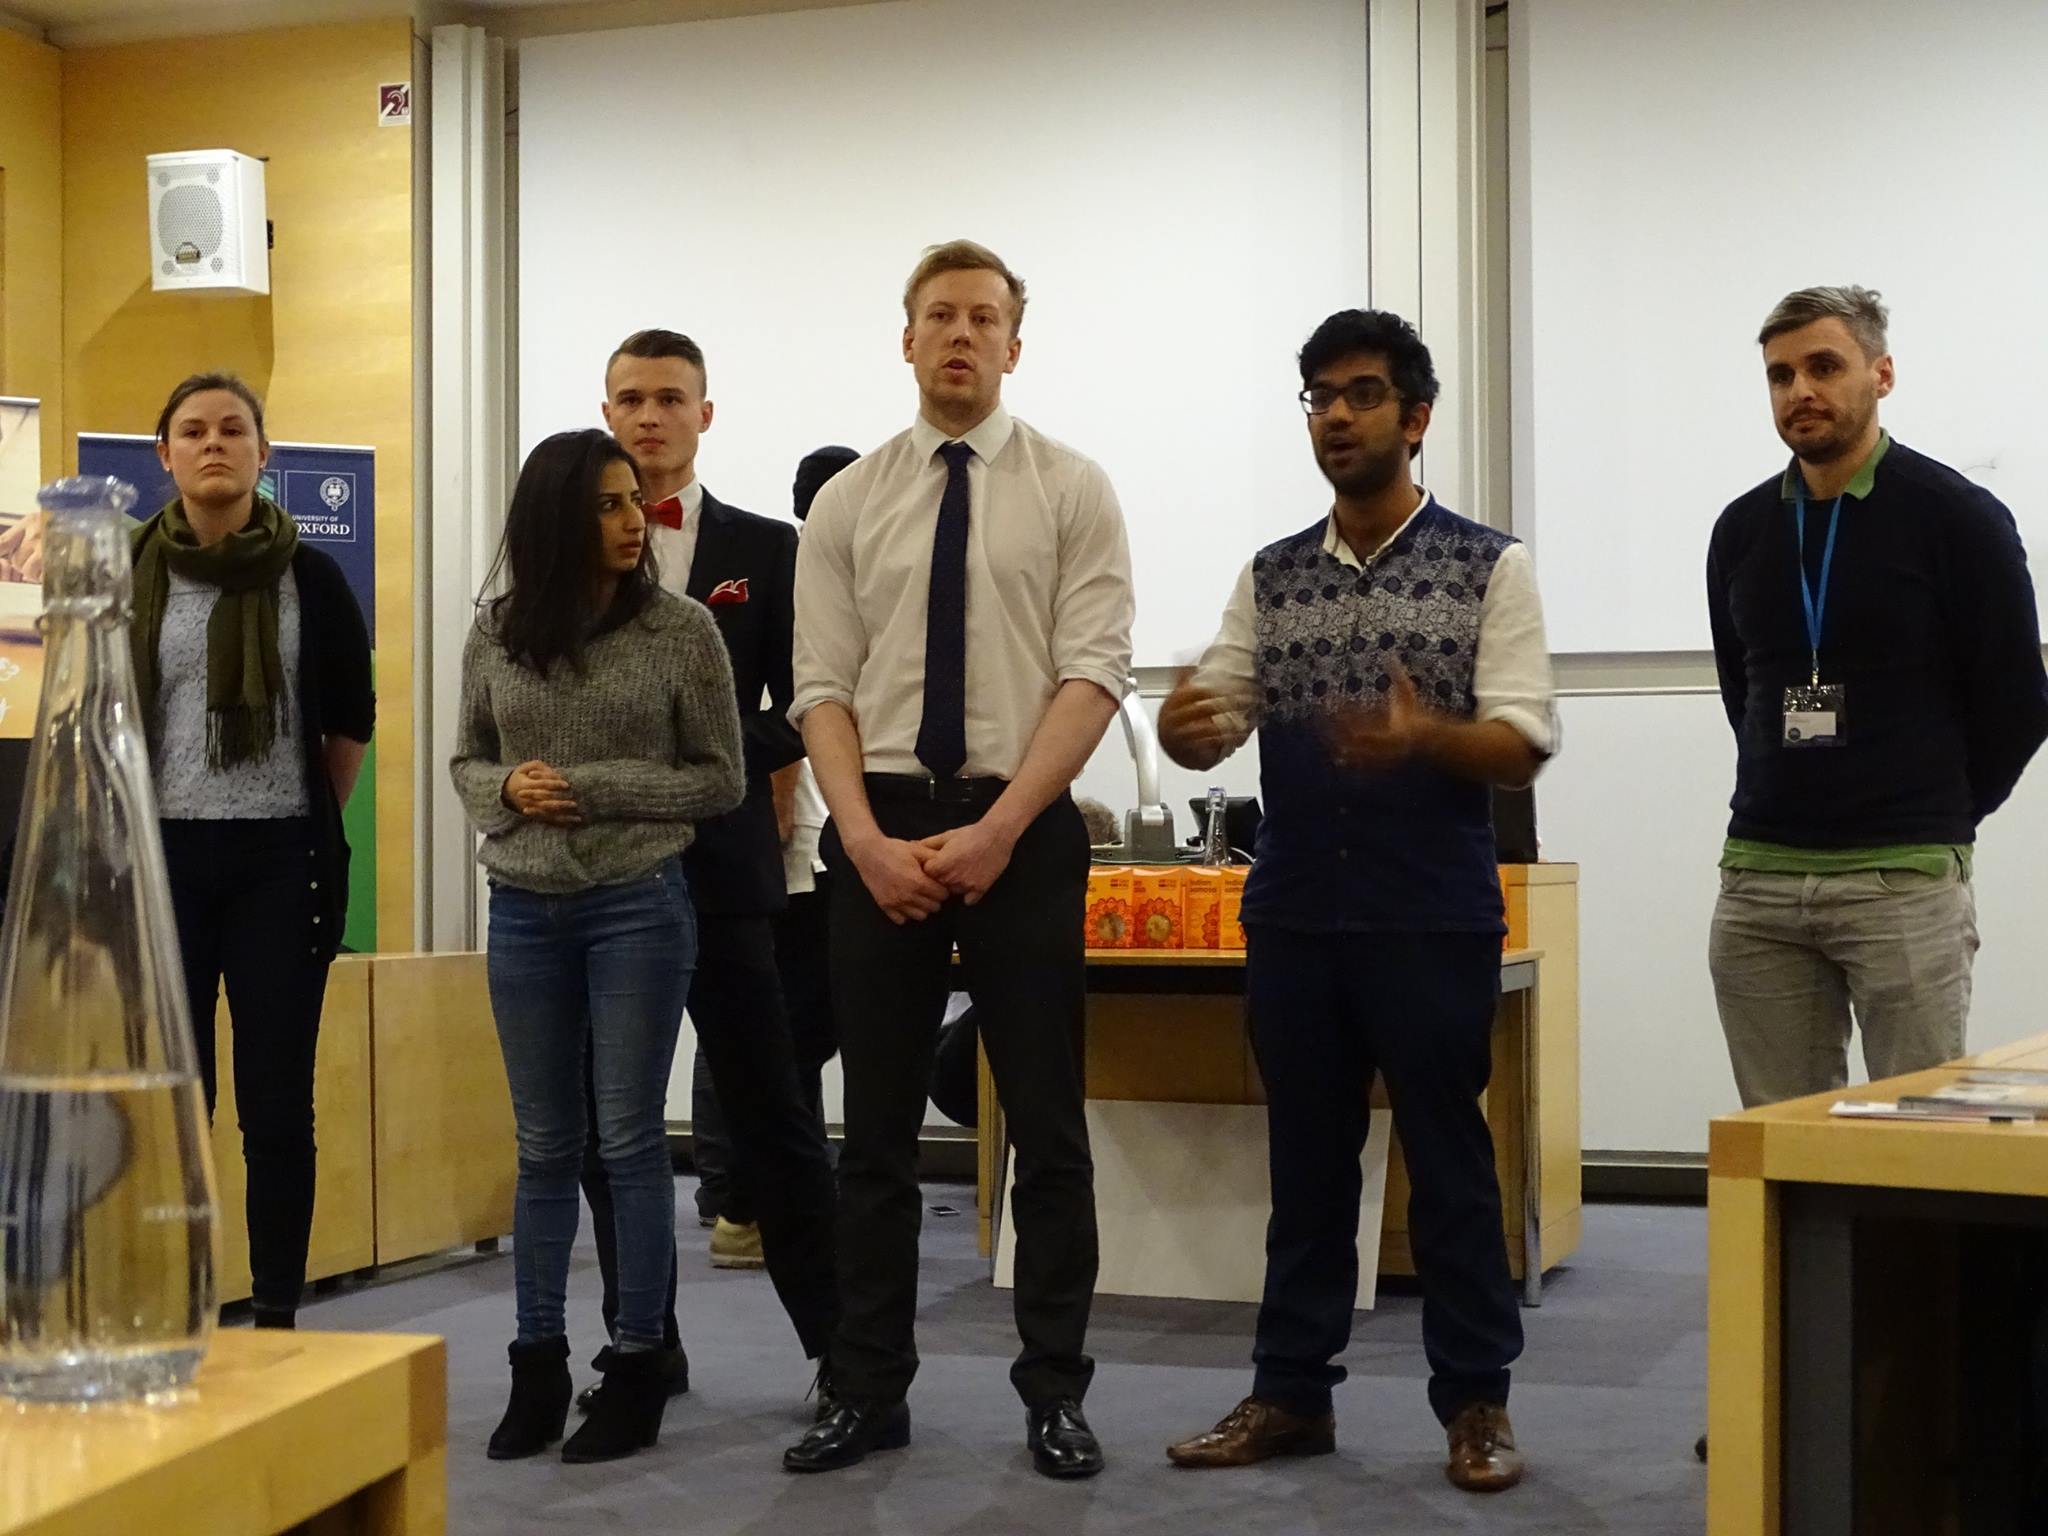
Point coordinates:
[[186, 787], [647, 733]]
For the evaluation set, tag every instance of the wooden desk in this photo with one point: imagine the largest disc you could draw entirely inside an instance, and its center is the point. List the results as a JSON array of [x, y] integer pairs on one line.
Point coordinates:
[[345, 1431], [1840, 1302], [1168, 1026]]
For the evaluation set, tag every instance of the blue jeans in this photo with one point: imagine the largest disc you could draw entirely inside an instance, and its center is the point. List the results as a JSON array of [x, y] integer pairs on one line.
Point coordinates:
[[607, 970]]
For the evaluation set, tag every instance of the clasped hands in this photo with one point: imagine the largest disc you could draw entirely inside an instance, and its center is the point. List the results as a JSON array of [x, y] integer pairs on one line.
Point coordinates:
[[539, 793], [911, 880]]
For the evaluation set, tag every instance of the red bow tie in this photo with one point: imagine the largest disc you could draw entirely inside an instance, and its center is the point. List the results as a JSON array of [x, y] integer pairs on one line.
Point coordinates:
[[669, 512]]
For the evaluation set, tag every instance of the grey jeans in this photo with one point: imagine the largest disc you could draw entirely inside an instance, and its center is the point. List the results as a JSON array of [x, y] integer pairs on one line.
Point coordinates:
[[1792, 955]]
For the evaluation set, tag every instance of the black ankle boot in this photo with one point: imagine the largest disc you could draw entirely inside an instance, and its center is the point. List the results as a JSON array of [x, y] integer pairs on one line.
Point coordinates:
[[540, 1400], [626, 1416]]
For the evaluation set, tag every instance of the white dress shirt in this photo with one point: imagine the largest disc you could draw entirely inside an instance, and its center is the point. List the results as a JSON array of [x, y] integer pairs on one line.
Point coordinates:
[[801, 865], [675, 548], [1511, 678], [1048, 590]]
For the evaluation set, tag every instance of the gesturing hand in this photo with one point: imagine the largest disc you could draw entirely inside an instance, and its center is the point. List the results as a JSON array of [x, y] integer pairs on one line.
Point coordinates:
[[1397, 730], [539, 793], [1191, 729]]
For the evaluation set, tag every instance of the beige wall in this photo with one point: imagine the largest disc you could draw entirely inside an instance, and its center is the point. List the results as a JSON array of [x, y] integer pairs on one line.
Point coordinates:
[[31, 254], [330, 348]]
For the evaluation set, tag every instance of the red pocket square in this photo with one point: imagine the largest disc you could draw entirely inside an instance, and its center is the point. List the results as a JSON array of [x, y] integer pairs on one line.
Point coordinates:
[[727, 592]]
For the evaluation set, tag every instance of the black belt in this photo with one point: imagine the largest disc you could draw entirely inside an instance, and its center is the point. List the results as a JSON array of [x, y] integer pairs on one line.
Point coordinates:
[[917, 786]]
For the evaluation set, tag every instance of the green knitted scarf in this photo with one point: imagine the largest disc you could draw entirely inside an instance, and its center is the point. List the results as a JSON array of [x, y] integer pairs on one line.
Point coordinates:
[[244, 671]]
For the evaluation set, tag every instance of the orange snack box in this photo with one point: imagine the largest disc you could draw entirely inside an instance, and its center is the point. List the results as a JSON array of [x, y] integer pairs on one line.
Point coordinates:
[[1202, 907], [1158, 901], [1230, 923], [1109, 906]]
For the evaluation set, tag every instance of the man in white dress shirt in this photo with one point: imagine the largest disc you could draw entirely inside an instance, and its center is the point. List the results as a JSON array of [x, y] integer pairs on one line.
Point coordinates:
[[963, 638], [1391, 658]]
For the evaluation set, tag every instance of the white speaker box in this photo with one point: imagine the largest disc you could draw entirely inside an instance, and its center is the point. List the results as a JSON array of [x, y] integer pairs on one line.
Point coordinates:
[[207, 232]]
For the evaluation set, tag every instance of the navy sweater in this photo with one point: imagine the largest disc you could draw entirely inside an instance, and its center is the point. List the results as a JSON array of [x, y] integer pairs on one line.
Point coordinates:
[[1930, 628]]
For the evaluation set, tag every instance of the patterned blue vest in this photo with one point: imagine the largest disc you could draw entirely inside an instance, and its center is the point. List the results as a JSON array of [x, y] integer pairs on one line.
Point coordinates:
[[1409, 849]]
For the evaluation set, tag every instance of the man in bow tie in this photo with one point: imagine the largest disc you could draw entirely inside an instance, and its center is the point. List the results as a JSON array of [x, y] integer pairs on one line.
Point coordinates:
[[963, 638], [743, 568]]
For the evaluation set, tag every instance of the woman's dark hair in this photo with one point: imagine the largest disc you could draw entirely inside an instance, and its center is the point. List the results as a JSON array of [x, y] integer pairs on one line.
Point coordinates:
[[1379, 331], [550, 552], [199, 384]]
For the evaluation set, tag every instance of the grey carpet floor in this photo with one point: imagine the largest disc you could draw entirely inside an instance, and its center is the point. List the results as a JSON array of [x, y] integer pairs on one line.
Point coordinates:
[[1607, 1401]]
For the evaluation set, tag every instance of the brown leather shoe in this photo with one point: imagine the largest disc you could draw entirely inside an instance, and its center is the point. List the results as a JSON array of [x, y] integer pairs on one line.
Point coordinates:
[[1254, 1431], [1483, 1454]]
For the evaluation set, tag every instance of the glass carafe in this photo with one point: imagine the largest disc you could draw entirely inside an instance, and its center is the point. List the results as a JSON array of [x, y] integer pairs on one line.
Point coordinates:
[[107, 1201]]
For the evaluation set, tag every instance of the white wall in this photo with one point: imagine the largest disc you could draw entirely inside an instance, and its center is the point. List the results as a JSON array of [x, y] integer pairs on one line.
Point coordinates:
[[1183, 188], [1684, 167], [1640, 800]]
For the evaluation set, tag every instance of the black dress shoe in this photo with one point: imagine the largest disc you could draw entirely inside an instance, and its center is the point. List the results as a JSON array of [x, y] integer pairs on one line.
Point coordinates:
[[822, 1389], [1062, 1444], [846, 1434], [674, 1370]]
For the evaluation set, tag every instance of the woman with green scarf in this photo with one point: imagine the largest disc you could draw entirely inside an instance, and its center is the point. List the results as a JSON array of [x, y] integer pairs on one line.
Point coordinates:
[[253, 667]]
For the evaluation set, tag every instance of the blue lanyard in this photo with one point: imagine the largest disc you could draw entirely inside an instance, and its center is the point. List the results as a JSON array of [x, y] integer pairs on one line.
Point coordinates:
[[1816, 603]]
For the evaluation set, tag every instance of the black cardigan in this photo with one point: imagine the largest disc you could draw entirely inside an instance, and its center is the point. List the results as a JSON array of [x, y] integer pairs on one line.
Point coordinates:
[[335, 699]]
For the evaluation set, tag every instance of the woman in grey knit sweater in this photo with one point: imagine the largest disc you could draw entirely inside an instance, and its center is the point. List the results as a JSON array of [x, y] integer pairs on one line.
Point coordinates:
[[598, 726]]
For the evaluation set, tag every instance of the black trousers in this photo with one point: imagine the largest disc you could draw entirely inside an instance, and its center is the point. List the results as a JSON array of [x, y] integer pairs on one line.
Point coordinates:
[[1021, 954], [1327, 1012], [248, 912], [777, 1145]]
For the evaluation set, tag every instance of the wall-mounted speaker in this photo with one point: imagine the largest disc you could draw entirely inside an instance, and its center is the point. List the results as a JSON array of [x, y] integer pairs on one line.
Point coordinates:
[[206, 223]]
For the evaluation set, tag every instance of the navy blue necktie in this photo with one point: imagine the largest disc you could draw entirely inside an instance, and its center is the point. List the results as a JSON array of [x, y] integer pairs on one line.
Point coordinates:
[[942, 733]]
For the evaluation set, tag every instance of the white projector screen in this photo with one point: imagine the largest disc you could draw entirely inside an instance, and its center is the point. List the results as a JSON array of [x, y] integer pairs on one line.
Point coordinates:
[[1688, 165], [1183, 188]]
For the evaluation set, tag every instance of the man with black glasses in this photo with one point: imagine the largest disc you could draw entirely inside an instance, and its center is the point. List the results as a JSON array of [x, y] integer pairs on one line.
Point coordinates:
[[1391, 658]]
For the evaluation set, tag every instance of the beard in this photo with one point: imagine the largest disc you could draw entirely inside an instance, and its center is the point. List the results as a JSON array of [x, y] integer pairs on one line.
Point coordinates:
[[1839, 435], [1369, 473]]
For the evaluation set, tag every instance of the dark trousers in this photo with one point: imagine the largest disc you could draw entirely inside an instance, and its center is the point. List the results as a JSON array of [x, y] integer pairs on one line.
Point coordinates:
[[1021, 955], [802, 962], [248, 912], [736, 1008], [1328, 1011]]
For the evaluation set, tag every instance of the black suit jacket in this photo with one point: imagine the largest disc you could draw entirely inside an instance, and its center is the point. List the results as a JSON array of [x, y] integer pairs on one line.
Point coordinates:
[[744, 571]]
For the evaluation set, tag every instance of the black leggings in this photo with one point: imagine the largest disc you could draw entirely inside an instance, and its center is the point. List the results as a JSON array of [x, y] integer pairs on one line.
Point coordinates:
[[249, 911]]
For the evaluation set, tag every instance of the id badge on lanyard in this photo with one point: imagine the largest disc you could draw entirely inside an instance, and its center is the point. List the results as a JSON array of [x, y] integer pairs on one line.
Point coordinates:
[[1815, 715]]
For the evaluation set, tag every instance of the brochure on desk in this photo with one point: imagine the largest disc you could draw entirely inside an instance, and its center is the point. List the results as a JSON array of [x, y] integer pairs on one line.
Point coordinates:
[[21, 566], [1983, 1097], [330, 490]]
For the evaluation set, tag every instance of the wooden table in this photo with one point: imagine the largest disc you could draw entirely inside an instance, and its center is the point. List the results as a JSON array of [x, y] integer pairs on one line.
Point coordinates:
[[344, 1434], [1167, 1026], [1873, 1288]]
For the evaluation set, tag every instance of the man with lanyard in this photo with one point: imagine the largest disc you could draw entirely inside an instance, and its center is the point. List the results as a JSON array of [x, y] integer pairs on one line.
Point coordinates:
[[963, 638], [1391, 657], [742, 567], [1880, 662]]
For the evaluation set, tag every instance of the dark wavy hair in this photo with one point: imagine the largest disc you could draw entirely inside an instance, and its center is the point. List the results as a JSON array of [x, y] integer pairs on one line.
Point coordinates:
[[551, 550], [1379, 331]]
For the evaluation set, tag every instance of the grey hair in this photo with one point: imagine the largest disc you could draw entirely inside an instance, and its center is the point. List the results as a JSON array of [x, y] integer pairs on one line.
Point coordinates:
[[1861, 309]]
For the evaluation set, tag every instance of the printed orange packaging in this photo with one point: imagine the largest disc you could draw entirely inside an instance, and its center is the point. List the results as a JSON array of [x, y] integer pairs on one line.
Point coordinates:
[[1230, 922], [1203, 908], [1158, 912], [1109, 906]]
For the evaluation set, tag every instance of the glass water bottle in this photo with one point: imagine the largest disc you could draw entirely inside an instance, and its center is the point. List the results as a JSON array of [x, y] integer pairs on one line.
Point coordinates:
[[1215, 837], [107, 1195]]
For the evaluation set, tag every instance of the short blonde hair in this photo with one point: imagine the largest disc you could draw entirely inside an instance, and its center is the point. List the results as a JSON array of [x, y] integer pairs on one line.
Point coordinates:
[[963, 256]]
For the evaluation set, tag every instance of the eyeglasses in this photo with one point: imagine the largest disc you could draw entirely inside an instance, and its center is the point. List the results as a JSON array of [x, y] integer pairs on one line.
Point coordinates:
[[1361, 394]]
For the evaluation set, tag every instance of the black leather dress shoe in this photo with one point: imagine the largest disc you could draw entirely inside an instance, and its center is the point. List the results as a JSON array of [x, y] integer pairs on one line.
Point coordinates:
[[1062, 1444], [674, 1371], [846, 1435], [824, 1394]]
